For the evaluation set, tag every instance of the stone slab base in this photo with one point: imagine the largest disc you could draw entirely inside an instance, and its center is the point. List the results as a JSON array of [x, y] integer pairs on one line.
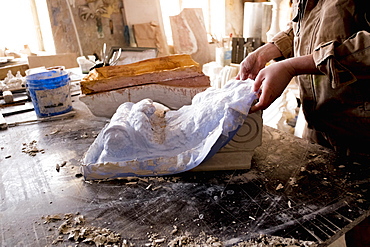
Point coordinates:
[[238, 153]]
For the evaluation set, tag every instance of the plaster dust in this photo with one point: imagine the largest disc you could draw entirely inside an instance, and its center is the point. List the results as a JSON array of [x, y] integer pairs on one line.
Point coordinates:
[[258, 241], [147, 138], [266, 240]]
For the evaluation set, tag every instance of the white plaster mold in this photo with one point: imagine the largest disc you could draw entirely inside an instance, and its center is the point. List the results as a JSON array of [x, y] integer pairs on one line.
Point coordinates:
[[147, 138]]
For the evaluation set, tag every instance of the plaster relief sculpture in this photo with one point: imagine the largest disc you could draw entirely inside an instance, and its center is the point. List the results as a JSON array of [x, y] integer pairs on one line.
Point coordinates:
[[12, 83], [149, 139]]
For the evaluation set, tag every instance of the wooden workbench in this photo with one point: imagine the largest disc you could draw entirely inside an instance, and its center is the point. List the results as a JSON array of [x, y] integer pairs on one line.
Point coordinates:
[[14, 67], [294, 190]]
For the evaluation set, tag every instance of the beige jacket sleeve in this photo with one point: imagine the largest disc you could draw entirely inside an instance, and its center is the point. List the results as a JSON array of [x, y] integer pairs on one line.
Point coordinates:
[[284, 42], [344, 63]]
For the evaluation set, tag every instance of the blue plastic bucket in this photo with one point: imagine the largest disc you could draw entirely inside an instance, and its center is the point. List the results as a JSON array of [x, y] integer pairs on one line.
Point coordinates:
[[50, 92]]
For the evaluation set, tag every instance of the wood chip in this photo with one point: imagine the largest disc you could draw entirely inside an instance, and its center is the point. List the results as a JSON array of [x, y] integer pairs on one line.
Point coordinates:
[[279, 187]]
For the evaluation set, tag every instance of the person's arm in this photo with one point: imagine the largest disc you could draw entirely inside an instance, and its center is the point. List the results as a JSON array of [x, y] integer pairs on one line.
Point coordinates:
[[284, 41], [302, 65], [272, 80], [280, 46]]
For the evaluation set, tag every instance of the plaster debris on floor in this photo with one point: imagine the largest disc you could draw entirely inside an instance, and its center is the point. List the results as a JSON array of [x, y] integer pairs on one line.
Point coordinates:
[[57, 166], [74, 228], [31, 148], [267, 241]]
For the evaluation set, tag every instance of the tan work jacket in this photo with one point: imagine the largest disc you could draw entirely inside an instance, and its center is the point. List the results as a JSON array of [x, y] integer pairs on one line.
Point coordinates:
[[336, 103]]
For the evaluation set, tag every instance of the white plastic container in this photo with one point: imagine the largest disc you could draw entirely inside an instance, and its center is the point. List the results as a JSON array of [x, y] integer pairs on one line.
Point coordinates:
[[86, 64]]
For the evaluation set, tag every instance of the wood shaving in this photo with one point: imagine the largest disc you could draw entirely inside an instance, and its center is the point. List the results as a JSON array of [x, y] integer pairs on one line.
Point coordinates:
[[279, 187], [175, 230], [156, 188], [131, 183], [53, 132]]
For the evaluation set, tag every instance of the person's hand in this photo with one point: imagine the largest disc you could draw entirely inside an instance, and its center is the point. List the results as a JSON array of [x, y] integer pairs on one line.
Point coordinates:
[[250, 66], [270, 83], [257, 60], [272, 80]]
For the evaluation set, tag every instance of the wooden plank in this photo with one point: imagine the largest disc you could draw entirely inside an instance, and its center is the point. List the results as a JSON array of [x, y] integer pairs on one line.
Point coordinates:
[[190, 35], [68, 60], [146, 11], [19, 97], [17, 109], [14, 69], [3, 123], [146, 66], [43, 119], [150, 35]]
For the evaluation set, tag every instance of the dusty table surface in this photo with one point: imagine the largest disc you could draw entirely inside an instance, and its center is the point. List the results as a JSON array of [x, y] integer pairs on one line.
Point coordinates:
[[294, 190]]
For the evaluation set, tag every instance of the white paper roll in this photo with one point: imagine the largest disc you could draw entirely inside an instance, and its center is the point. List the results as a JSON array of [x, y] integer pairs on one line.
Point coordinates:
[[257, 19]]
